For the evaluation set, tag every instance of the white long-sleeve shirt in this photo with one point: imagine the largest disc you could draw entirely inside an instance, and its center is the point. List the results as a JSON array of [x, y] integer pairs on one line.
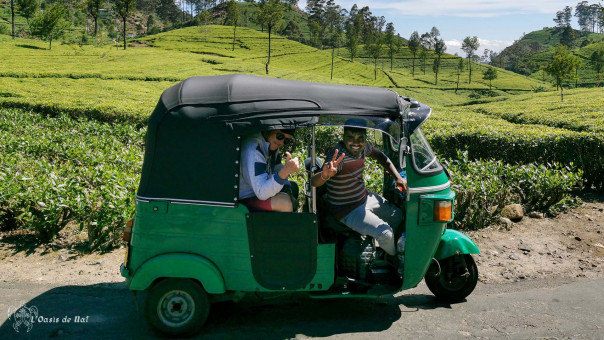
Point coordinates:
[[259, 170]]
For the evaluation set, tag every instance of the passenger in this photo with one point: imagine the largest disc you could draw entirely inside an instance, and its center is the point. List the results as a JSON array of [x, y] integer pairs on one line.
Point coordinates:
[[349, 200], [263, 184]]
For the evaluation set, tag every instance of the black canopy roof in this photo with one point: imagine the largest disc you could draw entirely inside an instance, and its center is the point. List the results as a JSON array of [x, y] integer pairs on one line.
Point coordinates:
[[243, 96]]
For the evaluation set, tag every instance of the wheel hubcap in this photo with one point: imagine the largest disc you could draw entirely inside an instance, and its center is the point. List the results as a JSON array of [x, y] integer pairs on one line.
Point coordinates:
[[176, 308]]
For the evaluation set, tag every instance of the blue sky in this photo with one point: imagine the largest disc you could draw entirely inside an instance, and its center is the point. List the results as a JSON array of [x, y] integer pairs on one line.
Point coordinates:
[[497, 23]]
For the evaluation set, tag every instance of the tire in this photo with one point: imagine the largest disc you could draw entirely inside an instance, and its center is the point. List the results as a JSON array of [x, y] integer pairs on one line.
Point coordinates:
[[458, 288], [177, 307]]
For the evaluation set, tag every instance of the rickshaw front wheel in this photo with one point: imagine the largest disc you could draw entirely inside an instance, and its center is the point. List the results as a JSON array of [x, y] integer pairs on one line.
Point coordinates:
[[448, 283], [177, 307]]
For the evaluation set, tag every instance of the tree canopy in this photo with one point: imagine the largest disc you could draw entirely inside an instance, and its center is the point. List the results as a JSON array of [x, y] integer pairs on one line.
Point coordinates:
[[49, 24], [562, 67]]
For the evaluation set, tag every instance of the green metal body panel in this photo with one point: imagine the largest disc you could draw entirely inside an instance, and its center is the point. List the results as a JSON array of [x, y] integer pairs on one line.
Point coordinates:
[[422, 235], [179, 265], [218, 235], [454, 242]]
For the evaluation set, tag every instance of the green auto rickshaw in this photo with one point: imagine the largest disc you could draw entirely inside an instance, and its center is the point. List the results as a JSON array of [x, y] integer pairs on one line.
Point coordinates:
[[191, 243]]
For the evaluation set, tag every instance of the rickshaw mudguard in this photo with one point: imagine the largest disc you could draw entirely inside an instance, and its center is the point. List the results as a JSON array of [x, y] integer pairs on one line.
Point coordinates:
[[453, 242], [179, 265]]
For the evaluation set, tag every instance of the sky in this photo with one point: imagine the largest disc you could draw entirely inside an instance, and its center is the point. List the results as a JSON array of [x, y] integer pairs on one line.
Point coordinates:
[[496, 23]]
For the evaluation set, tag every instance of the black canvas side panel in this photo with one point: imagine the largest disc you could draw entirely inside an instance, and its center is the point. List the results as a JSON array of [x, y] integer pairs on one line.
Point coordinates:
[[192, 160], [283, 249]]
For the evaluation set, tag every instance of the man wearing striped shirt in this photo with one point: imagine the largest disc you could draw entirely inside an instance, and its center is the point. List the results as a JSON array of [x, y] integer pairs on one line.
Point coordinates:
[[347, 196]]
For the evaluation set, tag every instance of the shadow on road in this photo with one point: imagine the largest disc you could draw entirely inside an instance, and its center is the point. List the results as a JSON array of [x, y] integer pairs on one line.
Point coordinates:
[[107, 311]]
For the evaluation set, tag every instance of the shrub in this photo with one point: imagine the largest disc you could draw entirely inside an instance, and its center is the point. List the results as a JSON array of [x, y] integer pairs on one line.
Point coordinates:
[[483, 188], [57, 170]]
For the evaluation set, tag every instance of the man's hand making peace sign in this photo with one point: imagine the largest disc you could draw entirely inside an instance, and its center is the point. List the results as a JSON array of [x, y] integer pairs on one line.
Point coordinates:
[[329, 170]]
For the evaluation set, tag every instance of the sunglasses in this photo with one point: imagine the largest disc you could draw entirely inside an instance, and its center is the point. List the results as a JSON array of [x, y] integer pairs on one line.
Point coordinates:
[[281, 136]]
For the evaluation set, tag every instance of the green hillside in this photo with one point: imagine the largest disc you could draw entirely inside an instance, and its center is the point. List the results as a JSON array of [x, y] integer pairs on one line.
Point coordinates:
[[528, 54]]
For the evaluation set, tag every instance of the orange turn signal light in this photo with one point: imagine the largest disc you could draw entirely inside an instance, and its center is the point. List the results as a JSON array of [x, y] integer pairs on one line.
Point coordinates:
[[127, 231], [442, 211]]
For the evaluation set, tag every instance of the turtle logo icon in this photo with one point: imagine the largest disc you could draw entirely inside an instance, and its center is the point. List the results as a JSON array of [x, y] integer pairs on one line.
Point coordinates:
[[23, 316]]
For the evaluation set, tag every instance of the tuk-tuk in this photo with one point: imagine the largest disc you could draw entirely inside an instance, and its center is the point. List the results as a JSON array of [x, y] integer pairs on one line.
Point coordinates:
[[192, 243]]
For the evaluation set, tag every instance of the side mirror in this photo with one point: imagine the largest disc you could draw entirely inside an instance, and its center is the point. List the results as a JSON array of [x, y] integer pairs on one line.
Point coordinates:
[[402, 153]]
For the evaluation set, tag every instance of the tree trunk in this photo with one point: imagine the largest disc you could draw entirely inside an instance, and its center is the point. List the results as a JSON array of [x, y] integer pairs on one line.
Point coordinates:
[[270, 28], [124, 33], [470, 74], [234, 33], [413, 66], [333, 51], [375, 69], [12, 13], [50, 44], [96, 25], [561, 93], [457, 87], [391, 58]]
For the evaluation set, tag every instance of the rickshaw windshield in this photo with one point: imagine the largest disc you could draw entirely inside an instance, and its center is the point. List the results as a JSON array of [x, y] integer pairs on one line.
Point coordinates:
[[386, 125], [423, 158]]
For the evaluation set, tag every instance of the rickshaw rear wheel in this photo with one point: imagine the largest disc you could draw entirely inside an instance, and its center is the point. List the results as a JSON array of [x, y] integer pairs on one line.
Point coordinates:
[[177, 307], [451, 288]]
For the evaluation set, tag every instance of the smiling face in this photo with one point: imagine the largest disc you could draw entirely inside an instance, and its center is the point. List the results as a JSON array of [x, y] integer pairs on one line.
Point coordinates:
[[354, 142], [276, 139]]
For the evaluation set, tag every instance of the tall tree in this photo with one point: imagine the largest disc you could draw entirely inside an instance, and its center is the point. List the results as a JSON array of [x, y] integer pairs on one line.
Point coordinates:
[[597, 62], [167, 11], [124, 8], [562, 67], [49, 24], [270, 12], [559, 19], [413, 46], [426, 43], [489, 74], [316, 21], [374, 41], [469, 45], [392, 42], [334, 16], [568, 15], [27, 8], [439, 49], [92, 7], [583, 14], [12, 14], [459, 70], [354, 27], [232, 17]]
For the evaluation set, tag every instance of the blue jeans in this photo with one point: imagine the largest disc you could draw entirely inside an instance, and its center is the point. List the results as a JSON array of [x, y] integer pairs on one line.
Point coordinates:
[[376, 218]]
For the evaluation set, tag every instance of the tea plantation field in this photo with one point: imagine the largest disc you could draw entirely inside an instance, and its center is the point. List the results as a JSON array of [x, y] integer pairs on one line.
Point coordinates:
[[72, 122]]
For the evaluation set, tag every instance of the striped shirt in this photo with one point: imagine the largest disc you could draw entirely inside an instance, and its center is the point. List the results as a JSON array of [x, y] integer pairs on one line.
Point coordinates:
[[346, 190]]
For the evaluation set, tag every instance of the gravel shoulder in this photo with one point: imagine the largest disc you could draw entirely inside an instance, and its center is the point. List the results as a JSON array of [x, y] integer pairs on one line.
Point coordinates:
[[570, 245]]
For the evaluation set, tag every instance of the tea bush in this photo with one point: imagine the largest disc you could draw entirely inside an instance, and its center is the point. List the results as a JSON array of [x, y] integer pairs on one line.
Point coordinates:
[[485, 137], [57, 170], [483, 188]]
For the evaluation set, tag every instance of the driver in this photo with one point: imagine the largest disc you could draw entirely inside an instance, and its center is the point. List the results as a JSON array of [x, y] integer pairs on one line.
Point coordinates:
[[349, 200], [263, 184]]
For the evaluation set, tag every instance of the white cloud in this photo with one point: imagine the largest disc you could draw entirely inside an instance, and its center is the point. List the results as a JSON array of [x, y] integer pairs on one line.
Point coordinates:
[[458, 8], [454, 46]]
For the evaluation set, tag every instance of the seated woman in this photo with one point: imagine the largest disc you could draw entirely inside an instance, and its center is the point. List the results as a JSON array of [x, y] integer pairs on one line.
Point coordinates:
[[263, 177]]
